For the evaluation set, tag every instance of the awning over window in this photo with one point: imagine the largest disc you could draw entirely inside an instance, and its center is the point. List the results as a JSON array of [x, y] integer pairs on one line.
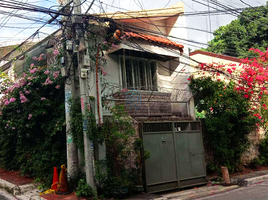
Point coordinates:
[[147, 44], [154, 39], [153, 51]]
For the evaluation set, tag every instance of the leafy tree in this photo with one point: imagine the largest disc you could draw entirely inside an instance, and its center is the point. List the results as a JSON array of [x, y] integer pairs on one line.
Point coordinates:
[[249, 30]]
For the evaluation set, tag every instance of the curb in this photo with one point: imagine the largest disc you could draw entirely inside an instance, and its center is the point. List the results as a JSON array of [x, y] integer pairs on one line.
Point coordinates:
[[30, 195], [23, 192], [250, 181], [9, 187], [26, 188], [206, 193], [194, 194]]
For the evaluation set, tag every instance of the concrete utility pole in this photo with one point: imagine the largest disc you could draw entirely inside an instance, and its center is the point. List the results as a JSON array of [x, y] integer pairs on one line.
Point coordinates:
[[72, 151], [88, 145]]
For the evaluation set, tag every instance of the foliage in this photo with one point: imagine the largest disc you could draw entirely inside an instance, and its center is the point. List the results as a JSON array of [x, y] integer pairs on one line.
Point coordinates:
[[32, 124], [255, 163], [119, 172], [248, 31], [263, 156], [228, 119], [4, 82], [263, 149], [250, 78], [73, 181], [200, 115], [76, 123], [84, 190]]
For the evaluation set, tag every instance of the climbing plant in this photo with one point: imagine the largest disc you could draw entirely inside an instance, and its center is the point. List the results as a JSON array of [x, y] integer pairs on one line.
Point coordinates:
[[76, 123], [119, 172], [32, 123]]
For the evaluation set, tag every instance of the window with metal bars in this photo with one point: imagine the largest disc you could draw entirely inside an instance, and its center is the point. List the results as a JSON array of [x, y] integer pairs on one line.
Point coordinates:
[[138, 74]]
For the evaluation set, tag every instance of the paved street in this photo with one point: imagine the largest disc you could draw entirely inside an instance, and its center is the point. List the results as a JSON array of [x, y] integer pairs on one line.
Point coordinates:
[[5, 196], [255, 192]]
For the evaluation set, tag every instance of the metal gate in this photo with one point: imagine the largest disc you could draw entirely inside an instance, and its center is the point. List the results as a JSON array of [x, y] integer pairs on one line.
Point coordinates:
[[176, 155]]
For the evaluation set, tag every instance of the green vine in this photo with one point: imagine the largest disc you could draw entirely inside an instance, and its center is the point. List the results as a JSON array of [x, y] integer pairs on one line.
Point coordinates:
[[76, 123]]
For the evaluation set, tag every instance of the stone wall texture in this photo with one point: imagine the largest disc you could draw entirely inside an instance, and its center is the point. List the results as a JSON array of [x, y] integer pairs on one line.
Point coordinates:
[[252, 152]]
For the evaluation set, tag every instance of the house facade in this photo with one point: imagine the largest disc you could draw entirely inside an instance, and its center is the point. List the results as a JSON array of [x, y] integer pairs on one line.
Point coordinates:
[[146, 70], [146, 59]]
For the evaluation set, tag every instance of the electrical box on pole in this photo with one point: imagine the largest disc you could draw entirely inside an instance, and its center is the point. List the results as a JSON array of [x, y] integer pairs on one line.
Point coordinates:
[[77, 20], [86, 61], [84, 73], [69, 45]]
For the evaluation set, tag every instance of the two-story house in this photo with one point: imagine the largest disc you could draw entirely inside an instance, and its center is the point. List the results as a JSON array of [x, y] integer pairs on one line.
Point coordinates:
[[148, 61], [147, 71]]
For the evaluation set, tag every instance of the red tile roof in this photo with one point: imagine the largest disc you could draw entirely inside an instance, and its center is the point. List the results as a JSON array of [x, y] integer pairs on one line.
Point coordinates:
[[215, 55], [149, 38]]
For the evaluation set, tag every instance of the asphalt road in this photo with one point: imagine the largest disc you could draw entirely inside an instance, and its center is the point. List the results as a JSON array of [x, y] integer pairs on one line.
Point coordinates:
[[255, 192], [5, 196]]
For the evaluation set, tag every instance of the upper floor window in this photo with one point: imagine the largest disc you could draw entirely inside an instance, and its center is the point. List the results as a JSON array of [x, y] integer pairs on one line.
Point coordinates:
[[138, 74]]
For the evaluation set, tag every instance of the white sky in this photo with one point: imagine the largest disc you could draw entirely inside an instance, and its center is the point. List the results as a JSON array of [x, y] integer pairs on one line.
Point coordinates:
[[10, 35]]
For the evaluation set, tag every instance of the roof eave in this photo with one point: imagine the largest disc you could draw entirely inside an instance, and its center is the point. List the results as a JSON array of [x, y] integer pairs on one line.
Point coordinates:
[[163, 12]]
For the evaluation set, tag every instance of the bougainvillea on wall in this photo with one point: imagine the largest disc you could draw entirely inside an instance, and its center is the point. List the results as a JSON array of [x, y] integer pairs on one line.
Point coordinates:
[[234, 99], [32, 123]]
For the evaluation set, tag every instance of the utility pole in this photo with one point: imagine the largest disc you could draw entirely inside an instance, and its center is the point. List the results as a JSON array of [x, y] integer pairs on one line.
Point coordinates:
[[83, 72], [72, 151]]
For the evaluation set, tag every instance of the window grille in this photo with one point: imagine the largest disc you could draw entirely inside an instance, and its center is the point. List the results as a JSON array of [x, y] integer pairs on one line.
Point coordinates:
[[139, 74]]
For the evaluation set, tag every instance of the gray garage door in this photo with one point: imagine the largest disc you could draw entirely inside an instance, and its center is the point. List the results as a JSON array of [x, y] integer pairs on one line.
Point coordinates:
[[176, 155]]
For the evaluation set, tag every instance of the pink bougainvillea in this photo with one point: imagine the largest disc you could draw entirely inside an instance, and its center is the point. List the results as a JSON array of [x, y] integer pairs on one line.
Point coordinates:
[[251, 79], [23, 99], [12, 99], [30, 116], [56, 52]]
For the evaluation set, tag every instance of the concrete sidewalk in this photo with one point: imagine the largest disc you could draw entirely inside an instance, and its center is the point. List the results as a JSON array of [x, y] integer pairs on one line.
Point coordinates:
[[251, 178], [24, 188], [21, 187]]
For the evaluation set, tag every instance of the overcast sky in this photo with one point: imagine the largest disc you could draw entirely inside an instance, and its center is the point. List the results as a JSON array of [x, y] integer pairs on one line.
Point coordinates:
[[203, 23]]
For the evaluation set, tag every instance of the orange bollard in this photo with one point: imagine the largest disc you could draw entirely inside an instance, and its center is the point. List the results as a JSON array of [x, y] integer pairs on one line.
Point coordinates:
[[55, 182], [225, 174], [63, 184]]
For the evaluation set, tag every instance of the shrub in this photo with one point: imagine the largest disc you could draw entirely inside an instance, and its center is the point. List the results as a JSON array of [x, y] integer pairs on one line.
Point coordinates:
[[263, 149], [32, 124], [255, 163], [118, 173], [84, 190], [228, 120]]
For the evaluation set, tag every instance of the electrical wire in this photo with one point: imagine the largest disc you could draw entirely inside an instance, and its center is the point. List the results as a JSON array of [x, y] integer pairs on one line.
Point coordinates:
[[137, 46], [246, 3], [33, 35], [8, 17], [236, 13], [29, 7]]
